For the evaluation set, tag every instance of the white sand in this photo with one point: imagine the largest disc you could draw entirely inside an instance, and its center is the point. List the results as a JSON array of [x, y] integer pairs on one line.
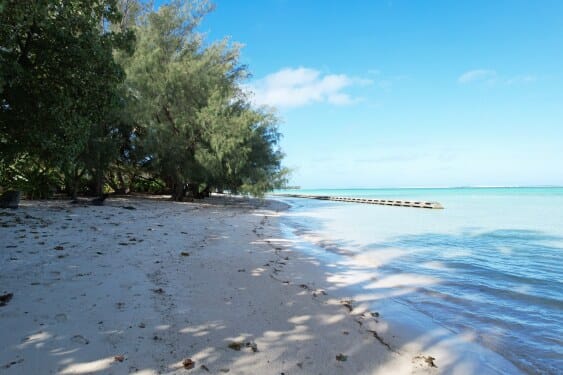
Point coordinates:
[[92, 283]]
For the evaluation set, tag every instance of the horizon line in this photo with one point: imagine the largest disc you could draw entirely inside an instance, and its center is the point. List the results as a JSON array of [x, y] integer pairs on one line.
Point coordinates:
[[432, 187]]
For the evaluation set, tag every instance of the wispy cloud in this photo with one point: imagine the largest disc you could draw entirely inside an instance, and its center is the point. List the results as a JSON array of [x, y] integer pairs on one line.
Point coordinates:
[[477, 75], [522, 79], [296, 87], [385, 81], [492, 77]]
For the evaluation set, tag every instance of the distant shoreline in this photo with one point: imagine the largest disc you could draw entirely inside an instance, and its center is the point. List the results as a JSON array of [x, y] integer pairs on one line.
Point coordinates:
[[436, 188]]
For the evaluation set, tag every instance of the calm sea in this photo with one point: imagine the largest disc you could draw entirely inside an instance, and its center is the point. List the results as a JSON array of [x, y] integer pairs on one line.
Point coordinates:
[[490, 263]]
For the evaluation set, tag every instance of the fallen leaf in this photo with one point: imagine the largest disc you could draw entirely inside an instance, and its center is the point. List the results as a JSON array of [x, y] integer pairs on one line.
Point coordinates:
[[235, 345], [119, 358], [341, 357], [185, 254], [347, 304], [428, 360], [252, 345], [188, 363]]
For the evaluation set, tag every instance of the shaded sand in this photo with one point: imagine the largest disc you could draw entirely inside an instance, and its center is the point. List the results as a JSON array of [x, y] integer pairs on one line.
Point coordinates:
[[151, 286]]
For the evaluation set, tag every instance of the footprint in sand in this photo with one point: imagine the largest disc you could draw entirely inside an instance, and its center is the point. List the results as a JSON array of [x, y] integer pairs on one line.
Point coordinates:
[[79, 339], [61, 318]]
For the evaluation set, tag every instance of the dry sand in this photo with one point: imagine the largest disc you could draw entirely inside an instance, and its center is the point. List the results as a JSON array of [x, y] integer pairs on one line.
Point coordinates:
[[151, 286]]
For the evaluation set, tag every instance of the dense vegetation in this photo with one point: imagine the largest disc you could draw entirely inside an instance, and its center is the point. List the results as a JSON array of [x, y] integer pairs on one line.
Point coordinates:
[[105, 95]]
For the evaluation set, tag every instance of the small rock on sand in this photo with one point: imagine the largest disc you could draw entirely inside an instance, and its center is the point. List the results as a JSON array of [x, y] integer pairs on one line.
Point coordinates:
[[5, 298]]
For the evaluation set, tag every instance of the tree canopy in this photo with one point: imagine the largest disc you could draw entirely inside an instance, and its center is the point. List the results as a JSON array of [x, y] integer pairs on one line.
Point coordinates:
[[113, 95]]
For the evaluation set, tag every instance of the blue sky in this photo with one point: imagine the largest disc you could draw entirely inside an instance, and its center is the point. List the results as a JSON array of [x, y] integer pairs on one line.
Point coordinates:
[[407, 93]]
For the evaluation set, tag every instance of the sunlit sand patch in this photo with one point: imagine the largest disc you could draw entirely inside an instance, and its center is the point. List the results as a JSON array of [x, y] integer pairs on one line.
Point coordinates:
[[273, 335], [300, 337], [280, 241], [197, 330], [146, 372], [36, 340], [114, 332], [325, 319], [62, 351], [257, 271], [88, 367], [205, 353], [299, 319]]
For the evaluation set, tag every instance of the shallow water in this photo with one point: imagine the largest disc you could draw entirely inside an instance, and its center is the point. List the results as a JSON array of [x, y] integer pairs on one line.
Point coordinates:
[[490, 263]]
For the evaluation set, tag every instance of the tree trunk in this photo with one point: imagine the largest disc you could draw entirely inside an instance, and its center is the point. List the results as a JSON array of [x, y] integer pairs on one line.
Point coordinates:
[[178, 191], [74, 187], [99, 184], [122, 184]]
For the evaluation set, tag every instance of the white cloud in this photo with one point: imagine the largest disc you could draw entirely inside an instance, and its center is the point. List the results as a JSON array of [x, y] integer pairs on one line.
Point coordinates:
[[481, 75], [491, 76], [298, 87], [522, 79]]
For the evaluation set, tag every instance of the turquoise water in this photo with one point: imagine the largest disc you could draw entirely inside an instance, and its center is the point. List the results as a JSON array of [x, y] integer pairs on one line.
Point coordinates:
[[490, 263]]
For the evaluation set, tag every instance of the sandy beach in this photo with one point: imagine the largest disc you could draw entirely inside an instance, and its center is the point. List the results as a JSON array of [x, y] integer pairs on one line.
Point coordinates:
[[151, 286]]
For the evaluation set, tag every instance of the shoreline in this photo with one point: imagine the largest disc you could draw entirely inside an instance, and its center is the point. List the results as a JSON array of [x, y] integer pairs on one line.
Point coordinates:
[[357, 275], [148, 287], [398, 326]]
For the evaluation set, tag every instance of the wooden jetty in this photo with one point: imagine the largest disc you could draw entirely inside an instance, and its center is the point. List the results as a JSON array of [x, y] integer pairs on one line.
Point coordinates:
[[383, 202]]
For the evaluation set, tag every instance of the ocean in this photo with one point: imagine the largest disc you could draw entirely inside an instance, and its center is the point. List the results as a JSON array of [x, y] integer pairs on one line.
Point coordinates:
[[490, 263]]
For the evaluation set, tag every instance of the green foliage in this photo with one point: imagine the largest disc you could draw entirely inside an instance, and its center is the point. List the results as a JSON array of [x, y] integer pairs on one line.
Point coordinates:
[[31, 176], [58, 76], [81, 111], [199, 125]]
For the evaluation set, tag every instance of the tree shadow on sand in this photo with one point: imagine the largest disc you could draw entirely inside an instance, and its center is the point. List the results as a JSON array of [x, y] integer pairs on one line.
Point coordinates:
[[221, 306]]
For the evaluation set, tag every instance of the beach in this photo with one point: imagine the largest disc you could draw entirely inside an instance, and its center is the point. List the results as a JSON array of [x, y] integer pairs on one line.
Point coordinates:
[[155, 287], [150, 286], [214, 187]]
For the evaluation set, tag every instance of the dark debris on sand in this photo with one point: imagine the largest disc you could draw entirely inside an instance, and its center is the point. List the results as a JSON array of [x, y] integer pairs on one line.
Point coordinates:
[[5, 298]]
